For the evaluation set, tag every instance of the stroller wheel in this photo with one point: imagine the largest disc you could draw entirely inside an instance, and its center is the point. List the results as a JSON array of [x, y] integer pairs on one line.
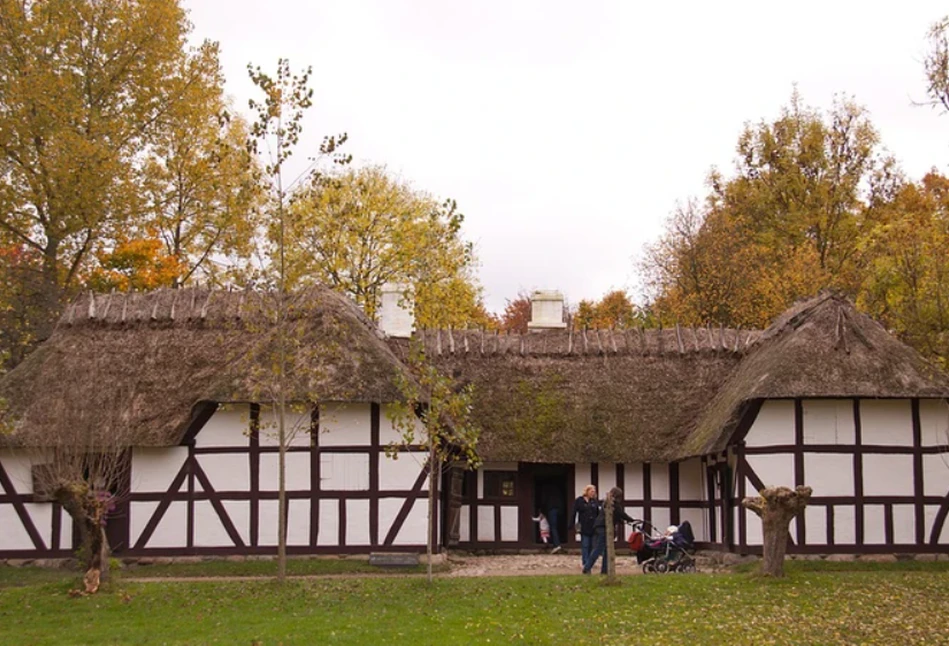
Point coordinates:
[[649, 567], [688, 568], [662, 567]]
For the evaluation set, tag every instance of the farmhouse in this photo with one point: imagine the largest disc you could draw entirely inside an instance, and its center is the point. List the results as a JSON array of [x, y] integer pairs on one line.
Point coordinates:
[[685, 421]]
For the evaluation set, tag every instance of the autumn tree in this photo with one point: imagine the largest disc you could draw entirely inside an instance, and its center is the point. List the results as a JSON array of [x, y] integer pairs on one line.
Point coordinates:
[[776, 506], [92, 95], [517, 314], [614, 310], [785, 225], [358, 230], [134, 264]]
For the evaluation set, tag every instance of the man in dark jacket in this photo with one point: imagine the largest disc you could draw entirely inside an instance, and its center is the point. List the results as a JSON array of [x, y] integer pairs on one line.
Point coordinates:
[[585, 510], [599, 541]]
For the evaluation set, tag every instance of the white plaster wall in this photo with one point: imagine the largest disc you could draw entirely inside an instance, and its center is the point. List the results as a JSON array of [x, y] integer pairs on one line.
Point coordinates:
[[828, 421], [607, 478], [13, 535], [934, 422], [400, 474], [464, 527], [887, 475], [635, 512], [298, 522], [388, 434], [298, 472], [776, 469], [634, 482], [661, 518], [904, 525], [874, 524], [172, 530], [344, 471], [208, 529], [698, 519], [415, 527], [154, 469], [225, 472], [828, 474], [815, 525], [508, 523], [357, 522], [774, 424], [886, 421], [329, 523], [936, 474], [660, 481], [228, 426], [345, 424], [691, 480], [18, 465], [582, 478], [845, 524], [753, 531], [42, 515], [485, 523], [296, 425]]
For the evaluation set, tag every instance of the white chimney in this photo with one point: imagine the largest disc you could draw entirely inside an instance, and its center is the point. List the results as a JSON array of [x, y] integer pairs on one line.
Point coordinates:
[[395, 311], [546, 311]]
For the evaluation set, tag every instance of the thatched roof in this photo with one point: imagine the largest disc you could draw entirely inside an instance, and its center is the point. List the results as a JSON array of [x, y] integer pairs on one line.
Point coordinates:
[[821, 347], [559, 396], [140, 363]]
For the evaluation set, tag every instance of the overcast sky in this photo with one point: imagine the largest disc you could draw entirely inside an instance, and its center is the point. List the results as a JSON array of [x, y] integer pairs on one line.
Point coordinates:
[[567, 131]]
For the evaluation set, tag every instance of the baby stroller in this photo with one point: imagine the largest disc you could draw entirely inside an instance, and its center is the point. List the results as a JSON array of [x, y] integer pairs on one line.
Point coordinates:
[[659, 553]]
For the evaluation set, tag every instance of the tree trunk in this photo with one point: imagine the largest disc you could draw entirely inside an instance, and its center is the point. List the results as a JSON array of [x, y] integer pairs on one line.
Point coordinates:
[[776, 506], [610, 555], [89, 513], [432, 479]]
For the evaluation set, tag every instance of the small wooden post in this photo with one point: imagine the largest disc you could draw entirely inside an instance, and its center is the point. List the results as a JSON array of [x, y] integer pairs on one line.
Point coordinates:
[[610, 555]]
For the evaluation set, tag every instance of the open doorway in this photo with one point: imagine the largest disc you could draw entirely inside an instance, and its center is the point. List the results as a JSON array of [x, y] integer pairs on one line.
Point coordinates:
[[551, 486]]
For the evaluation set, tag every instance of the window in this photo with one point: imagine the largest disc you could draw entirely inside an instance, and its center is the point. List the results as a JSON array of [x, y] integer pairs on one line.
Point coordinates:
[[499, 484]]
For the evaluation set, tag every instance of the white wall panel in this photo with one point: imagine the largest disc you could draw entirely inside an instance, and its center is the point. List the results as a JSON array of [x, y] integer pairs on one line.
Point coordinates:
[[753, 530], [226, 472], [934, 422], [661, 518], [936, 474], [329, 523], [296, 426], [815, 524], [904, 525], [400, 474], [13, 536], [887, 475], [774, 424], [298, 472], [660, 480], [607, 477], [886, 421], [172, 530], [930, 513], [485, 523], [415, 527], [844, 525], [345, 424], [691, 480], [508, 523], [388, 434], [874, 525], [828, 474], [18, 465], [774, 470], [208, 529], [828, 421], [344, 471], [464, 526], [698, 518], [228, 426], [154, 469], [634, 481], [357, 522], [42, 515]]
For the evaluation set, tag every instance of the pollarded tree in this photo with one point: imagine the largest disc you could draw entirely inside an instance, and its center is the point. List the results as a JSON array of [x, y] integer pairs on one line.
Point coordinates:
[[777, 507]]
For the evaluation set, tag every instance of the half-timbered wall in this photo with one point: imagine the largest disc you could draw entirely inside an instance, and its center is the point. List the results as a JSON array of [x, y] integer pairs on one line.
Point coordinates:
[[879, 470], [217, 493]]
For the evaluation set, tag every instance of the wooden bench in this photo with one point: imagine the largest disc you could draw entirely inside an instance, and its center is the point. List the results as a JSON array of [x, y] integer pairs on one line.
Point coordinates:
[[394, 559]]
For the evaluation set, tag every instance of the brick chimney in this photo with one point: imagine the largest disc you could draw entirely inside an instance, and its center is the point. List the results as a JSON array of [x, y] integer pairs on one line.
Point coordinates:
[[546, 311], [396, 318]]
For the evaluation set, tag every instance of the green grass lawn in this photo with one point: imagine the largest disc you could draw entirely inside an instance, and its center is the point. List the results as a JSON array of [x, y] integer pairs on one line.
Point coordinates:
[[865, 604]]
